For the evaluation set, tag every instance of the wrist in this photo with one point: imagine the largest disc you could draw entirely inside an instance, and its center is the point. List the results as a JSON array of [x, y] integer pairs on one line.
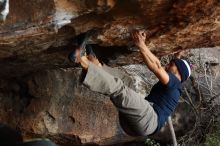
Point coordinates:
[[142, 47]]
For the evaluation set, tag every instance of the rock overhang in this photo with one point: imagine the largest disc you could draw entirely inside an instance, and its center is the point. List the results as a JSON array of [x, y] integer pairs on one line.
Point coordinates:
[[37, 34]]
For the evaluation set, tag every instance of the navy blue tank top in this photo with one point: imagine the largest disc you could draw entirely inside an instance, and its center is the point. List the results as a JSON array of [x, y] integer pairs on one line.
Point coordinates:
[[165, 98]]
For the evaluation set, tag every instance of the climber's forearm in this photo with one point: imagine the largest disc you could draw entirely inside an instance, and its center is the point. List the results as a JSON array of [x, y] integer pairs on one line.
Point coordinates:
[[152, 62]]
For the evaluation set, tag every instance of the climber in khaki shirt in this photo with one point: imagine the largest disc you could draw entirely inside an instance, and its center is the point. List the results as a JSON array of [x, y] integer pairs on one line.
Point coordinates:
[[138, 116]]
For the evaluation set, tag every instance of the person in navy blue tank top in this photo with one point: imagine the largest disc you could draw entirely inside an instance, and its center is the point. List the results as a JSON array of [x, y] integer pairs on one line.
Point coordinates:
[[166, 92], [138, 116]]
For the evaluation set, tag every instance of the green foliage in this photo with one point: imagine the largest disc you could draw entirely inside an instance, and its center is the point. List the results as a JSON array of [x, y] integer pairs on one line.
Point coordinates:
[[151, 142], [213, 139]]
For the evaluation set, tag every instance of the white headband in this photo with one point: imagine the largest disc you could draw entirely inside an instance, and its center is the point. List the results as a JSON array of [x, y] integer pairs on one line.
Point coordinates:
[[188, 67]]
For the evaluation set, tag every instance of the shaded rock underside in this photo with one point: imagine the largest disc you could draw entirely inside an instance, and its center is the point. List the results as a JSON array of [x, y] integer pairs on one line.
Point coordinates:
[[37, 34]]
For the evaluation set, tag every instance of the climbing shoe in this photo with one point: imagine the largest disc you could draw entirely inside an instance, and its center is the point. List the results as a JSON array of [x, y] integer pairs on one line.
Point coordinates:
[[89, 51], [81, 41]]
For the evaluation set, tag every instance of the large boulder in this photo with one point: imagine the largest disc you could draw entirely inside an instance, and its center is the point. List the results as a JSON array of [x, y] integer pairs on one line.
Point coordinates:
[[55, 104]]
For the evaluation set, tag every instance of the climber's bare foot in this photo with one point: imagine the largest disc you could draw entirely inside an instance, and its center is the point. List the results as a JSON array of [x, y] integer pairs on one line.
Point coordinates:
[[84, 62], [94, 60]]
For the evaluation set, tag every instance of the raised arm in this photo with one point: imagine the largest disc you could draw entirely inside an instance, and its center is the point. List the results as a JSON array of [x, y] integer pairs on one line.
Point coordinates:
[[152, 62]]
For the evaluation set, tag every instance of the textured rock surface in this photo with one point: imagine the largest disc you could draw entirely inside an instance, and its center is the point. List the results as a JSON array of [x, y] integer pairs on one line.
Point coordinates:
[[39, 90], [38, 32], [53, 103]]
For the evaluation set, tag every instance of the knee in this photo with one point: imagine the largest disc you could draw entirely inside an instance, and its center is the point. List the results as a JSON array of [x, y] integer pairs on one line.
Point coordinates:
[[117, 87]]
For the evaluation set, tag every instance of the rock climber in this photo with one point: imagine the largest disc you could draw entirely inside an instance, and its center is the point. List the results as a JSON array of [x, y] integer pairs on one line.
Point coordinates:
[[138, 116]]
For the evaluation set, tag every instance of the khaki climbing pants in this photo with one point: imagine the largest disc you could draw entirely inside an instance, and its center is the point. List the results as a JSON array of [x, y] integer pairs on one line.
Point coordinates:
[[137, 116]]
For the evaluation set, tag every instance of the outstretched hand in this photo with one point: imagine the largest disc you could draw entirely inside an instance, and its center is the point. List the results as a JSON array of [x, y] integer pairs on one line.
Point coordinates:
[[139, 37]]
